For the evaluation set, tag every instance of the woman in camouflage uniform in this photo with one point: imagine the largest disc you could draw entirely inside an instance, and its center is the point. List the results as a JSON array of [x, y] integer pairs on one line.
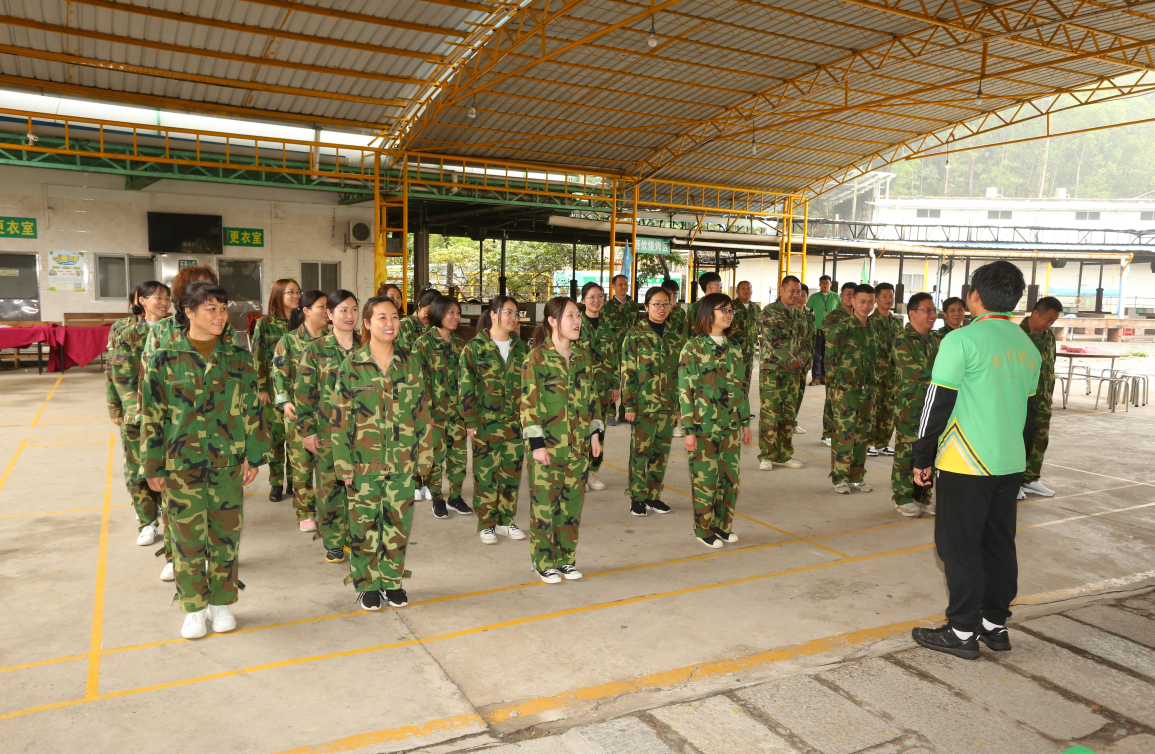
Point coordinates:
[[715, 412], [110, 394], [314, 395], [649, 379], [202, 437], [168, 329], [382, 439], [283, 299], [308, 322], [561, 420], [490, 399], [599, 338]]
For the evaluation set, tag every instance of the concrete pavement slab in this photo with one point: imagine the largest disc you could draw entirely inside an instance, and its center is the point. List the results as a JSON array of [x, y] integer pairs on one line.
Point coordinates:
[[627, 734], [1120, 651], [1135, 627], [718, 725]]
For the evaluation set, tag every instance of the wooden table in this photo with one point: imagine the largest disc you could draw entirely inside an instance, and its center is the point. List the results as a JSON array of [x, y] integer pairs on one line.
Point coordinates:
[[1071, 367]]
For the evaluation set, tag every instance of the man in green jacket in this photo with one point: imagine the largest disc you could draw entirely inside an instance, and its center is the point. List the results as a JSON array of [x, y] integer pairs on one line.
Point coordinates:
[[1038, 326], [913, 359], [889, 326], [846, 300], [622, 313], [821, 303]]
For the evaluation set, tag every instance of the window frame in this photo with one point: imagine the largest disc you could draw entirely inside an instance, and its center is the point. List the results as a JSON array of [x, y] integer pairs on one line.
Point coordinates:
[[128, 286], [319, 262]]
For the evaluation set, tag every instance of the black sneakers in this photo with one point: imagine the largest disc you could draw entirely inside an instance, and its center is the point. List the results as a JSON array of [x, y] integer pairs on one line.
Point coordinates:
[[725, 536], [396, 597], [638, 508], [457, 504], [657, 506], [369, 600], [997, 639], [439, 508], [944, 639], [276, 493], [335, 555]]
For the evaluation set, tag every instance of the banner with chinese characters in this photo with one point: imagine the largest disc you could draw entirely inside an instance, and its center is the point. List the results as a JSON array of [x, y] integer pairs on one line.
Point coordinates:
[[659, 246], [67, 272], [17, 227], [244, 237]]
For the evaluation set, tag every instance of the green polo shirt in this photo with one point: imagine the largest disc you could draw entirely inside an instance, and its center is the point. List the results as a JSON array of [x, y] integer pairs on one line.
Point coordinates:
[[822, 304], [994, 366]]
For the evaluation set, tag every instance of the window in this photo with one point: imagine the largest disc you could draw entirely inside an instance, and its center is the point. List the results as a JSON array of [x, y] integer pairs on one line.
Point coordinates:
[[117, 275], [241, 278], [1088, 215], [320, 276], [912, 284], [1147, 215], [995, 214], [930, 213]]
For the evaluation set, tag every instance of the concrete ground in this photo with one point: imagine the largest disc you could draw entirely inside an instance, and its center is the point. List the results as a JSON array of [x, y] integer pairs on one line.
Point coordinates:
[[91, 657]]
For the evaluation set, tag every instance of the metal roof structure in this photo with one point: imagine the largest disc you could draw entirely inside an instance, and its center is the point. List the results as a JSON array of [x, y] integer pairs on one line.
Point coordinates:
[[798, 96]]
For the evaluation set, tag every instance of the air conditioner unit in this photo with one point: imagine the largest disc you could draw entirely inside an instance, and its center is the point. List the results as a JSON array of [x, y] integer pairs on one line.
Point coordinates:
[[360, 233]]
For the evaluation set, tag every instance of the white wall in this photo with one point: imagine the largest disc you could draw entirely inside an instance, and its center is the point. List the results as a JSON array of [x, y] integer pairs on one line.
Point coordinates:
[[93, 213]]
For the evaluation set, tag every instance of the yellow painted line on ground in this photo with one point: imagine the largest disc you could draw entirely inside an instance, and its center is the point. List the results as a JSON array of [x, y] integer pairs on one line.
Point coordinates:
[[64, 437], [405, 733], [92, 684], [44, 405], [800, 539], [61, 444], [53, 661], [12, 464], [53, 513]]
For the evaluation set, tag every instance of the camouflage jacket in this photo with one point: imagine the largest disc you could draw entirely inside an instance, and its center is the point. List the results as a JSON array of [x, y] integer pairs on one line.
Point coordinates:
[[691, 316], [440, 361], [945, 330], [559, 400], [197, 414], [650, 369], [604, 346], [285, 357], [167, 331], [888, 328], [711, 392], [913, 360], [852, 354], [489, 389], [835, 317], [126, 365], [111, 394], [677, 318], [807, 334], [411, 329], [1045, 342], [780, 328], [266, 335], [381, 422], [622, 314], [315, 387], [744, 328]]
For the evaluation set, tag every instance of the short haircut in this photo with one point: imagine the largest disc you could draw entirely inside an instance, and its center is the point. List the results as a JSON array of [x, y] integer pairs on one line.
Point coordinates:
[[671, 285], [427, 296], [952, 301], [614, 279], [196, 295], [848, 285], [863, 288], [999, 286], [805, 287], [590, 286], [384, 288], [439, 307], [708, 277], [1050, 304], [790, 279], [705, 315], [917, 299], [824, 277], [883, 287], [655, 291]]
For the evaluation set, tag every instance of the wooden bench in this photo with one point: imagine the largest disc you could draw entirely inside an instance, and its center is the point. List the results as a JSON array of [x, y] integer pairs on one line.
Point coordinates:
[[92, 319]]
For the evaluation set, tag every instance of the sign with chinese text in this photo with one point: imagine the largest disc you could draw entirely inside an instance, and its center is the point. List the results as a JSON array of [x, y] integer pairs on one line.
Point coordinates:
[[17, 227], [660, 246], [244, 237], [67, 272]]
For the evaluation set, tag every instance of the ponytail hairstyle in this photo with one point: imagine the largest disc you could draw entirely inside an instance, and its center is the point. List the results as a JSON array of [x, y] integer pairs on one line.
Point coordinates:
[[485, 321], [308, 298], [133, 297], [144, 290], [277, 298], [196, 294], [367, 314], [555, 307], [586, 289]]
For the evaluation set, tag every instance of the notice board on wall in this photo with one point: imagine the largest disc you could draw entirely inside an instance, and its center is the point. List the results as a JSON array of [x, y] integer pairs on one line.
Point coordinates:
[[67, 272]]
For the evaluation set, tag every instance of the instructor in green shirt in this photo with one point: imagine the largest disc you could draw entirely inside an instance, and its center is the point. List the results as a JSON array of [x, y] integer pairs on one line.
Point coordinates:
[[821, 303]]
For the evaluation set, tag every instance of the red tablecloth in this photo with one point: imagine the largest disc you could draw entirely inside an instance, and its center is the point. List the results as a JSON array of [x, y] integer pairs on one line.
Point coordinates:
[[77, 345]]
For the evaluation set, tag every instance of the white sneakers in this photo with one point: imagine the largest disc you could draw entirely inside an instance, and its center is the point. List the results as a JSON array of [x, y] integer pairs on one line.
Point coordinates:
[[798, 430], [149, 533], [570, 573], [1034, 488], [792, 464], [488, 536], [910, 510], [510, 531], [194, 623], [222, 618], [426, 493], [842, 488], [166, 574], [594, 483], [679, 432], [308, 525], [860, 487], [1022, 494], [826, 441], [766, 465], [549, 576], [929, 508]]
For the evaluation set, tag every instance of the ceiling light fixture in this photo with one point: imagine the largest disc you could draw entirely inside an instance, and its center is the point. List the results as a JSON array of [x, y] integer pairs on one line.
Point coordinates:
[[753, 144], [472, 110], [652, 40], [979, 93]]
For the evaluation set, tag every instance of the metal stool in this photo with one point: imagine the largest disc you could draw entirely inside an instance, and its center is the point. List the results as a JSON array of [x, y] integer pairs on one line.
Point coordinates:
[[1115, 386]]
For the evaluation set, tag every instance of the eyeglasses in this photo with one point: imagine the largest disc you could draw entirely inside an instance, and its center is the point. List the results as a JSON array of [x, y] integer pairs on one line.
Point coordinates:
[[161, 299], [728, 311], [592, 297], [656, 305], [508, 312], [293, 294], [930, 310]]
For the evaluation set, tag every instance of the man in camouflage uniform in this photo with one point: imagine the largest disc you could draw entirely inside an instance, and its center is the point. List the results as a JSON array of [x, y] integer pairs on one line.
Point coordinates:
[[808, 335], [677, 318], [709, 282], [780, 327], [852, 353], [1038, 327], [889, 325], [622, 313], [846, 299], [744, 328], [417, 322], [912, 355]]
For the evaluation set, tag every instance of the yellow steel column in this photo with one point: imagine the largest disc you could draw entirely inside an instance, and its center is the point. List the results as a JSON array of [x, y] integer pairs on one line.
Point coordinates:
[[634, 246], [379, 227], [1047, 286], [613, 225], [805, 234], [405, 227], [785, 247]]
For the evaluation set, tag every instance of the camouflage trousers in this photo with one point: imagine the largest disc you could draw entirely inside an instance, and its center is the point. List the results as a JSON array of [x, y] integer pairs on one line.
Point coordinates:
[[827, 414], [301, 463], [882, 425], [450, 447], [204, 520], [778, 394], [1039, 448], [332, 502], [801, 394], [380, 516], [275, 458], [496, 477], [556, 493], [649, 450], [606, 402], [146, 502], [851, 415], [902, 486], [748, 363], [714, 479]]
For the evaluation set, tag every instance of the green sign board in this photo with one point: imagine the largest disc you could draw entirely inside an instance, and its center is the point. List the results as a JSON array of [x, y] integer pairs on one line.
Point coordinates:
[[17, 227], [244, 237], [660, 246]]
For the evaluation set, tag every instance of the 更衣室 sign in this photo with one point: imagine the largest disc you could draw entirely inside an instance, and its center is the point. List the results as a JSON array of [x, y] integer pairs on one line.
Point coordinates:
[[17, 227], [244, 237]]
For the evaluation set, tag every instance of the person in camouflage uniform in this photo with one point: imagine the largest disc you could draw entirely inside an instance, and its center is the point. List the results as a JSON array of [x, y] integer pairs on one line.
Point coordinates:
[[715, 410], [112, 398], [744, 330], [1038, 327], [202, 437], [600, 339], [954, 312], [269, 330], [807, 342], [913, 359], [438, 350], [622, 312], [560, 419], [852, 353], [314, 396], [382, 439], [709, 282], [490, 400], [417, 323], [677, 318], [649, 379], [780, 326], [846, 298], [889, 325]]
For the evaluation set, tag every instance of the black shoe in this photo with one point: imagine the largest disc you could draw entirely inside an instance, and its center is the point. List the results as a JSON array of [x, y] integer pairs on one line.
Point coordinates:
[[944, 639], [336, 555], [657, 506], [288, 487], [613, 421], [276, 493], [396, 597], [439, 508], [997, 640], [711, 541], [457, 504], [725, 536], [638, 508], [369, 600]]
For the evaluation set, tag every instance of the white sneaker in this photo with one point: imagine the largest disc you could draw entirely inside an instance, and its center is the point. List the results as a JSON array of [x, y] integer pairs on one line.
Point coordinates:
[[929, 508], [798, 430], [166, 574], [222, 618], [417, 496], [488, 536], [308, 525], [861, 487], [511, 531], [194, 625], [549, 576], [1022, 494], [594, 483], [826, 441], [679, 432], [1035, 488], [148, 535], [871, 450], [910, 510], [426, 493], [570, 573], [792, 464], [766, 465], [886, 451], [842, 488]]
